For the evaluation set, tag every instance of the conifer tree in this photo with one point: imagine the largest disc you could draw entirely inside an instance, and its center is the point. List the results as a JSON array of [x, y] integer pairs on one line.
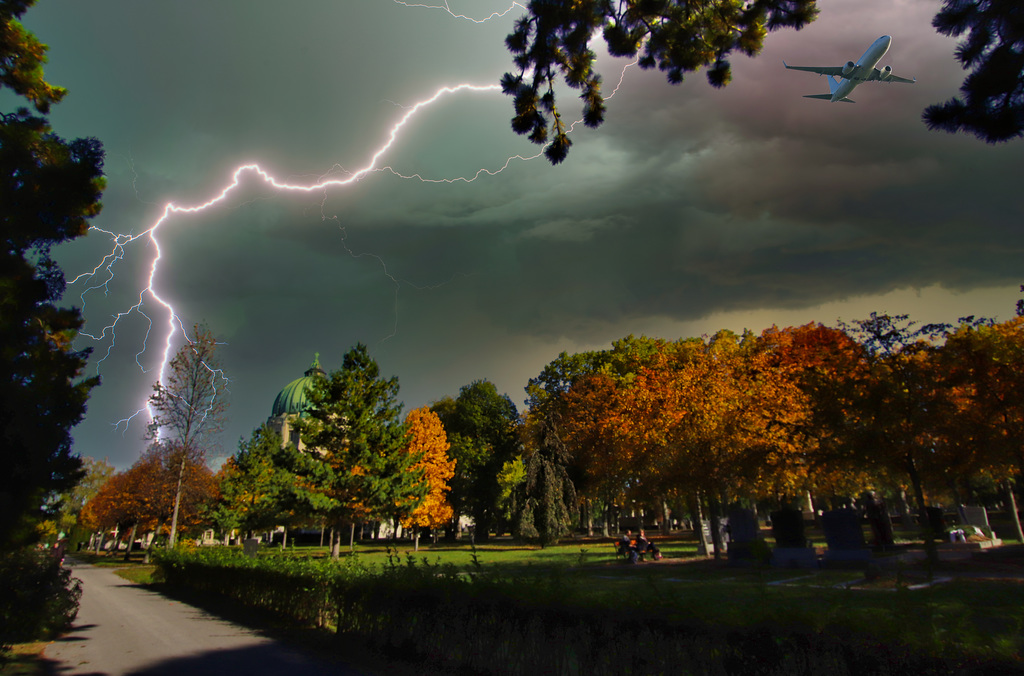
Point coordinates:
[[549, 507], [991, 105], [354, 438], [49, 189]]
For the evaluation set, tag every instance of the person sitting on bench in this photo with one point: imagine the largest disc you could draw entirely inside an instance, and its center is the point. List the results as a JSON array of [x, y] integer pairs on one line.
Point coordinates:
[[643, 546]]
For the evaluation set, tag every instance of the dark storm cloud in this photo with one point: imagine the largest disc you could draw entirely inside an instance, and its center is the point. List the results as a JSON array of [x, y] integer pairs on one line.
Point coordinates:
[[688, 202]]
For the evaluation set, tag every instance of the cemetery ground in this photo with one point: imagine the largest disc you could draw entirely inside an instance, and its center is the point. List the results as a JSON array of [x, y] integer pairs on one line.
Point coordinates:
[[970, 604]]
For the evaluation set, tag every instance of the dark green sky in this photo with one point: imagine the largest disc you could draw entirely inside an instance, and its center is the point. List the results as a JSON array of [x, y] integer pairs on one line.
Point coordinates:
[[690, 210]]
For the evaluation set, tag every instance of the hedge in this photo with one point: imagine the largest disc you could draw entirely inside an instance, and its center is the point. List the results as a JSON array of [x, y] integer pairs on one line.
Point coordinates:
[[491, 624]]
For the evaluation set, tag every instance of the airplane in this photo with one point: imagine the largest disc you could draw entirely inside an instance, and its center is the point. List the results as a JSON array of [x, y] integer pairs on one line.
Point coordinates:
[[853, 74]]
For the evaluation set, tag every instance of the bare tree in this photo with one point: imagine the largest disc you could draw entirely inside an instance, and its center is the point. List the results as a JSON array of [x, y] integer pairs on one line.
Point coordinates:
[[188, 409]]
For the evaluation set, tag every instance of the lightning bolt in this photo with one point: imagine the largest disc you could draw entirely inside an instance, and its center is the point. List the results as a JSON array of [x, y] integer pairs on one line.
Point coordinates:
[[444, 7], [99, 278]]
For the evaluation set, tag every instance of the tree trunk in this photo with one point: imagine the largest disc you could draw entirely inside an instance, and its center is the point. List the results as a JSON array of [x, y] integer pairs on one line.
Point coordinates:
[[922, 508], [131, 541], [284, 538], [698, 524], [177, 500], [905, 518], [416, 538], [1011, 504], [335, 543], [666, 518], [352, 539], [716, 534]]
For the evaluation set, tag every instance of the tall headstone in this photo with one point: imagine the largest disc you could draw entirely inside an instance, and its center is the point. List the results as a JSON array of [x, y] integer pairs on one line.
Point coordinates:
[[743, 532], [791, 550], [937, 520], [844, 535], [878, 516]]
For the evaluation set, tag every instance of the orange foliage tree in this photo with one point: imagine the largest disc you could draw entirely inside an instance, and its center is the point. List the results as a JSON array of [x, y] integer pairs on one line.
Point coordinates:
[[983, 371], [143, 496], [426, 440]]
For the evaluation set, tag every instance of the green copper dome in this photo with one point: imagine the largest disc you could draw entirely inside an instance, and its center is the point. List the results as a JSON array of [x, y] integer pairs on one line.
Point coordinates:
[[292, 399]]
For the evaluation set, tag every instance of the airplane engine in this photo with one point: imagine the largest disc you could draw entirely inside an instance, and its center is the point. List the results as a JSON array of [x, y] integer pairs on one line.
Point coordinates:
[[885, 74], [848, 68]]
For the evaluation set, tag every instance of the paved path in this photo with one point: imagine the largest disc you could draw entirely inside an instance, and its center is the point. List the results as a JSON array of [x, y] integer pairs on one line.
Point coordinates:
[[125, 629]]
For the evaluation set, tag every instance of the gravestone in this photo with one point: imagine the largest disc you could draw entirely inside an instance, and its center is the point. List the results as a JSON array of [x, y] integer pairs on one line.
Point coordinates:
[[723, 536], [743, 532], [845, 537], [705, 527], [937, 521], [791, 550], [975, 516], [788, 528], [878, 516], [250, 547]]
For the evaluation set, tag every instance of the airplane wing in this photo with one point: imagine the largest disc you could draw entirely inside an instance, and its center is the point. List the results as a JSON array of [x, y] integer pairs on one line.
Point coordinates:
[[820, 70], [887, 76]]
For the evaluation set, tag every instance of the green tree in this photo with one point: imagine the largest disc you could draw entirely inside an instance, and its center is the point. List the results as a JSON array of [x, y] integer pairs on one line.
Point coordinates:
[[548, 508], [258, 485], [482, 428], [49, 189], [358, 469], [188, 410], [97, 473]]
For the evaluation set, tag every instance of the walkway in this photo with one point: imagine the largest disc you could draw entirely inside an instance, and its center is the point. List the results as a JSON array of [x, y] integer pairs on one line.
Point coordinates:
[[126, 629]]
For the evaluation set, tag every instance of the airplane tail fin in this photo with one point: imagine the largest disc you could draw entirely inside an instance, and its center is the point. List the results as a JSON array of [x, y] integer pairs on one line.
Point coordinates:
[[832, 85]]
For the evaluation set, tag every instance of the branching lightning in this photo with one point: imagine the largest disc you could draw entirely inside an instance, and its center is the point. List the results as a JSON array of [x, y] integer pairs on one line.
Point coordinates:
[[100, 277]]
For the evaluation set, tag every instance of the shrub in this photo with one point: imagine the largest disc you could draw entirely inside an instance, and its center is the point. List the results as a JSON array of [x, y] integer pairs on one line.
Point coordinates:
[[38, 597]]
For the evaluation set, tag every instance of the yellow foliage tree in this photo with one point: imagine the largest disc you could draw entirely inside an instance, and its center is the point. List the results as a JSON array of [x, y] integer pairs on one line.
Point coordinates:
[[427, 440]]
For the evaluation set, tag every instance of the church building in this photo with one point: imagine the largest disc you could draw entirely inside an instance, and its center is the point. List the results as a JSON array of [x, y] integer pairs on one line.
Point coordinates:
[[291, 404]]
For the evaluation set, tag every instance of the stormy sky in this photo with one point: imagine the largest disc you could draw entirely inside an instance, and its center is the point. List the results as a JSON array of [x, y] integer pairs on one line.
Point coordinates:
[[689, 210]]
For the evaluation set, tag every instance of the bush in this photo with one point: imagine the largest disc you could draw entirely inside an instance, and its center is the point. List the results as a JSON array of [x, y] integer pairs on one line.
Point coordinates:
[[486, 622], [38, 597]]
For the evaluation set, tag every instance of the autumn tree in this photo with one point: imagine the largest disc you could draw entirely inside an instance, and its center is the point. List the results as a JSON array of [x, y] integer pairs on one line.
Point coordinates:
[[188, 409], [482, 428], [982, 369], [829, 367], [899, 405], [427, 441], [357, 469], [144, 496], [49, 189], [603, 454]]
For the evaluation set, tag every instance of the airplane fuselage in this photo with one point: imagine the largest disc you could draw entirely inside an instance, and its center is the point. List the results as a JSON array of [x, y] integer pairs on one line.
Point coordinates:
[[863, 68]]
